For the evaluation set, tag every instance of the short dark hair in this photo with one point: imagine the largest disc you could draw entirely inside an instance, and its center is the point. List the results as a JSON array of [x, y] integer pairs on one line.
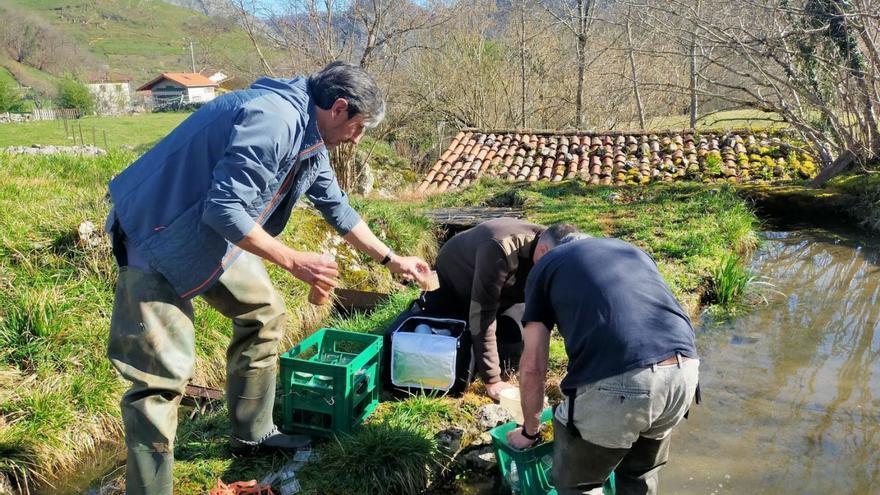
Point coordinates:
[[558, 231], [351, 83]]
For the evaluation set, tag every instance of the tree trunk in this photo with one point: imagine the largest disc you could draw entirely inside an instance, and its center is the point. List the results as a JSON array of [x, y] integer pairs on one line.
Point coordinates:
[[583, 25], [635, 77], [522, 60], [582, 69], [836, 168], [693, 82]]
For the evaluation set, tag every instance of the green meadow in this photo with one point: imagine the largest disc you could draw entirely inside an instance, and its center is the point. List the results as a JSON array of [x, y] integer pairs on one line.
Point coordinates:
[[59, 394]]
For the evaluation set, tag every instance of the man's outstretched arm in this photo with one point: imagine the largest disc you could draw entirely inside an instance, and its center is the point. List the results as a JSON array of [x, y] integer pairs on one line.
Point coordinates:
[[532, 377], [363, 239]]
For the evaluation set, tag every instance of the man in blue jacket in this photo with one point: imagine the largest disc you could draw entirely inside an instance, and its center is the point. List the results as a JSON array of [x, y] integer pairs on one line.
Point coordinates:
[[194, 216]]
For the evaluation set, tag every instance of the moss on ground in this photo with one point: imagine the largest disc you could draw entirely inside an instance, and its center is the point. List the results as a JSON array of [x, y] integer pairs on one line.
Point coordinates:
[[59, 394], [863, 193]]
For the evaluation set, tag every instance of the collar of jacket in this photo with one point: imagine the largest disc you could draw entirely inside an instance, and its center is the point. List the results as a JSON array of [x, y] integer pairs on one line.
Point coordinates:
[[312, 142]]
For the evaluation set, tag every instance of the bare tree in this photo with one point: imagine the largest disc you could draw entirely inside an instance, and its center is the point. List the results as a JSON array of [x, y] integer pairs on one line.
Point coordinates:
[[576, 17], [632, 63]]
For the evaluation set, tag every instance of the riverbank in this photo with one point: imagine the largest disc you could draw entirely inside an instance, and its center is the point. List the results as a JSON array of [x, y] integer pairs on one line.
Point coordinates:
[[58, 404]]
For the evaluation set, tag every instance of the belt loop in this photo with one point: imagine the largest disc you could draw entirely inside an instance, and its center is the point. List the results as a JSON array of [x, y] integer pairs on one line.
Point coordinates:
[[678, 359], [652, 367]]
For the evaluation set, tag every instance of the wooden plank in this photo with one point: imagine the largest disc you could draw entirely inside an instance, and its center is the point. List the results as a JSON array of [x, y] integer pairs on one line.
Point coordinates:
[[202, 399], [468, 217], [348, 301]]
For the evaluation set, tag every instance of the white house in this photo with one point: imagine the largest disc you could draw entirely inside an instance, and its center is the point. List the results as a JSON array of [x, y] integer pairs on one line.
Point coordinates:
[[218, 77], [112, 93], [180, 87]]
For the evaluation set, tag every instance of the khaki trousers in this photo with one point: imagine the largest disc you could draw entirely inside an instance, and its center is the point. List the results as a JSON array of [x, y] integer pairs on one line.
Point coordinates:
[[624, 423], [152, 344]]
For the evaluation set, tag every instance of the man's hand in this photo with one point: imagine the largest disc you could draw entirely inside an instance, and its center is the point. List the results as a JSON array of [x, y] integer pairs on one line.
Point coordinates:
[[493, 390], [516, 440], [314, 269], [409, 267]]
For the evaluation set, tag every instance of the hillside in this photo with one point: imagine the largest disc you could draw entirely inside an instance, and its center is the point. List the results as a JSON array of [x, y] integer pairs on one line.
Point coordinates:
[[137, 38]]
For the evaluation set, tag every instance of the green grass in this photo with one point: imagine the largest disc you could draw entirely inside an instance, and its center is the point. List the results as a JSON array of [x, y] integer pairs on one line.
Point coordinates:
[[138, 131], [375, 321], [141, 38], [730, 282], [687, 228], [377, 458], [26, 75], [7, 77], [730, 119], [60, 395], [865, 188]]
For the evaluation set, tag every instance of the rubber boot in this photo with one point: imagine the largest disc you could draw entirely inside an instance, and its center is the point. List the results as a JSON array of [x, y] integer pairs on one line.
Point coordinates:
[[250, 399], [148, 472]]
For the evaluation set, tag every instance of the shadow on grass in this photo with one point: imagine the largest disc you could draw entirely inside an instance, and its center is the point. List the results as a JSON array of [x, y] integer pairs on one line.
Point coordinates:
[[376, 458], [202, 455]]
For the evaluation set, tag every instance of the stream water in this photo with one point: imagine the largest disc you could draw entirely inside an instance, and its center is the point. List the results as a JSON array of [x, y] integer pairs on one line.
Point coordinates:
[[791, 391]]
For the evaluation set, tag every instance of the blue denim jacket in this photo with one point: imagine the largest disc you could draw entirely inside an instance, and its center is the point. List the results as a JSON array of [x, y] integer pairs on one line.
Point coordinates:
[[243, 159]]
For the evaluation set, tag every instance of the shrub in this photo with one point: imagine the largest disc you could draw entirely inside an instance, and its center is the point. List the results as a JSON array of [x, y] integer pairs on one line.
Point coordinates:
[[74, 94], [10, 98]]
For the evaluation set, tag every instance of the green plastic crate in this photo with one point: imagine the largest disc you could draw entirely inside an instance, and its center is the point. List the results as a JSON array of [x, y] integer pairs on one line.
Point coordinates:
[[329, 382], [532, 464]]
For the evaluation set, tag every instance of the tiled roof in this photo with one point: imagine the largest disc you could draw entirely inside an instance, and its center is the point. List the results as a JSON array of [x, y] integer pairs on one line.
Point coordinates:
[[185, 79], [615, 157]]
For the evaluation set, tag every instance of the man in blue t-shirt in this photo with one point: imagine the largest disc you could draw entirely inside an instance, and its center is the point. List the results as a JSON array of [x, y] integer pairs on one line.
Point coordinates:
[[632, 364]]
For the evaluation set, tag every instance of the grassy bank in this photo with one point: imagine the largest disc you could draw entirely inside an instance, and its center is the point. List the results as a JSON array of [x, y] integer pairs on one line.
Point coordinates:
[[136, 131], [865, 189], [58, 393], [688, 228]]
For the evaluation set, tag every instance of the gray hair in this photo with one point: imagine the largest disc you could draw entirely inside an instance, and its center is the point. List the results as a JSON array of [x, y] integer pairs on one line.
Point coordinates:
[[555, 233], [353, 84], [574, 236]]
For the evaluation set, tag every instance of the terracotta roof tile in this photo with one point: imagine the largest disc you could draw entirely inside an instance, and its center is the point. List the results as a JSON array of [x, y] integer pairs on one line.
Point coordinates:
[[614, 157], [185, 79]]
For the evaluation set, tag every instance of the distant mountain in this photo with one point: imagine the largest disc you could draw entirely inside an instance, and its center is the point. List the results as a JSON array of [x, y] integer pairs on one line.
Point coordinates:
[[137, 38], [221, 8]]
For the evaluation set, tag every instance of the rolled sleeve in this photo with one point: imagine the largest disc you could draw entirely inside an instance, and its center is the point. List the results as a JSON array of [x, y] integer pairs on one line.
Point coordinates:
[[330, 200], [257, 144]]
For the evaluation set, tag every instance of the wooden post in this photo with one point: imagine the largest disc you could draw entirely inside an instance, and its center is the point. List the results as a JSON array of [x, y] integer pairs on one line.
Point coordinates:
[[66, 130], [106, 146], [82, 141], [94, 137]]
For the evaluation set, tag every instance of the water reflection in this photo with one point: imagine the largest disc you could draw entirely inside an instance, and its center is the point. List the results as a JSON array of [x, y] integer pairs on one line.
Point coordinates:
[[792, 396]]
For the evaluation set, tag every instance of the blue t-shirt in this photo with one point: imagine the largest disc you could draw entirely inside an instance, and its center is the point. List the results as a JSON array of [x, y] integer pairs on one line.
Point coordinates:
[[611, 306]]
